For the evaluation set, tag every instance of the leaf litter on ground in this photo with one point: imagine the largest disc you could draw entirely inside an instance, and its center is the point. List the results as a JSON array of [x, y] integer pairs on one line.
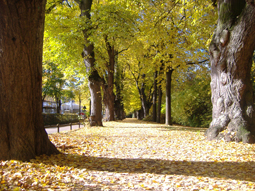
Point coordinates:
[[135, 155]]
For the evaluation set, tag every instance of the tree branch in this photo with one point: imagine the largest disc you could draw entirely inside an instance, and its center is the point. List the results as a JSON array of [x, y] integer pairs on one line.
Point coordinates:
[[200, 62]]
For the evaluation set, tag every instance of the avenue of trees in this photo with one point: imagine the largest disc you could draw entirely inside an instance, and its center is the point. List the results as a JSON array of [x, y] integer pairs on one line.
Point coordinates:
[[130, 49], [137, 56]]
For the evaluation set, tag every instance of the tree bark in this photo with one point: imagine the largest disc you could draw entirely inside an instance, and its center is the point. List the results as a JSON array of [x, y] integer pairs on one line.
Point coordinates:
[[154, 113], [96, 103], [168, 96], [94, 80], [22, 134], [231, 53], [108, 85]]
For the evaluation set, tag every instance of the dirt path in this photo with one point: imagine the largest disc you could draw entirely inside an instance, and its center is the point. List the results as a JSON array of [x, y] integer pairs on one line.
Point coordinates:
[[137, 155]]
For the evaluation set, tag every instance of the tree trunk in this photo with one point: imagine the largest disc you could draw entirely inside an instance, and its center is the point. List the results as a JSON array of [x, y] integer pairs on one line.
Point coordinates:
[[108, 85], [22, 134], [231, 53], [58, 105], [155, 98], [159, 103], [79, 102], [94, 80], [146, 101], [168, 96], [159, 95], [96, 103], [140, 114], [118, 105], [109, 103]]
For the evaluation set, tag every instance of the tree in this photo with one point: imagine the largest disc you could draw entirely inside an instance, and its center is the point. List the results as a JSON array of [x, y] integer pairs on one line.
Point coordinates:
[[52, 83], [22, 134], [108, 30], [231, 52], [172, 36], [191, 105], [159, 96], [113, 23], [168, 96], [154, 111], [94, 80], [118, 104], [144, 86]]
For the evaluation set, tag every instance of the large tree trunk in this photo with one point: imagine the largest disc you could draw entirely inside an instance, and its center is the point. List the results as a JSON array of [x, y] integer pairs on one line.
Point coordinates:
[[154, 113], [108, 102], [94, 80], [108, 85], [168, 96], [22, 134], [231, 53], [96, 103]]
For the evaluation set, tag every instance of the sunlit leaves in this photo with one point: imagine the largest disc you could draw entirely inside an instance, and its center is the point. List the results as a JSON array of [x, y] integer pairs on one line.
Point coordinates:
[[148, 32]]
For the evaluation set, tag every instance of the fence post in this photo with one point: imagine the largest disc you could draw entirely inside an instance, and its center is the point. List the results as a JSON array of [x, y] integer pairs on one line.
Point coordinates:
[[79, 124], [58, 127], [70, 126]]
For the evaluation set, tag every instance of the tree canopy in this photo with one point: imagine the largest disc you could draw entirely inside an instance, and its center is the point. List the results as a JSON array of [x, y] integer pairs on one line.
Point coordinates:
[[145, 35]]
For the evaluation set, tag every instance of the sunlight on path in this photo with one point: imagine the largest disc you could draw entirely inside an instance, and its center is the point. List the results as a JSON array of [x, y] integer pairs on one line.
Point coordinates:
[[137, 155]]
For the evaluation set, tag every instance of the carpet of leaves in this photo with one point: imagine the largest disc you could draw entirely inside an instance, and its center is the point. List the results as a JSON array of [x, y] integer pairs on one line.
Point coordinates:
[[135, 155]]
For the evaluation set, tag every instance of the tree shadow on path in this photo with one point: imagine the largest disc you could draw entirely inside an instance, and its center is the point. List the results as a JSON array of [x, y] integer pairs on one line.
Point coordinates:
[[244, 171]]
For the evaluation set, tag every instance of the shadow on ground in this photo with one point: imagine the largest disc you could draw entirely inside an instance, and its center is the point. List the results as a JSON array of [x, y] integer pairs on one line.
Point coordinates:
[[183, 128], [142, 124], [244, 171]]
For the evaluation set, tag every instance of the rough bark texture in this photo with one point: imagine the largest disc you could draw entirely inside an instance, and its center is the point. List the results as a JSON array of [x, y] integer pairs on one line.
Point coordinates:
[[108, 84], [231, 53], [168, 96], [154, 113], [22, 134], [96, 103], [89, 60]]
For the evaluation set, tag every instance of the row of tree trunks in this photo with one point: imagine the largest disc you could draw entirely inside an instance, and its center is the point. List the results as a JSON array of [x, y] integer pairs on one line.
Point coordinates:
[[22, 134], [231, 53]]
